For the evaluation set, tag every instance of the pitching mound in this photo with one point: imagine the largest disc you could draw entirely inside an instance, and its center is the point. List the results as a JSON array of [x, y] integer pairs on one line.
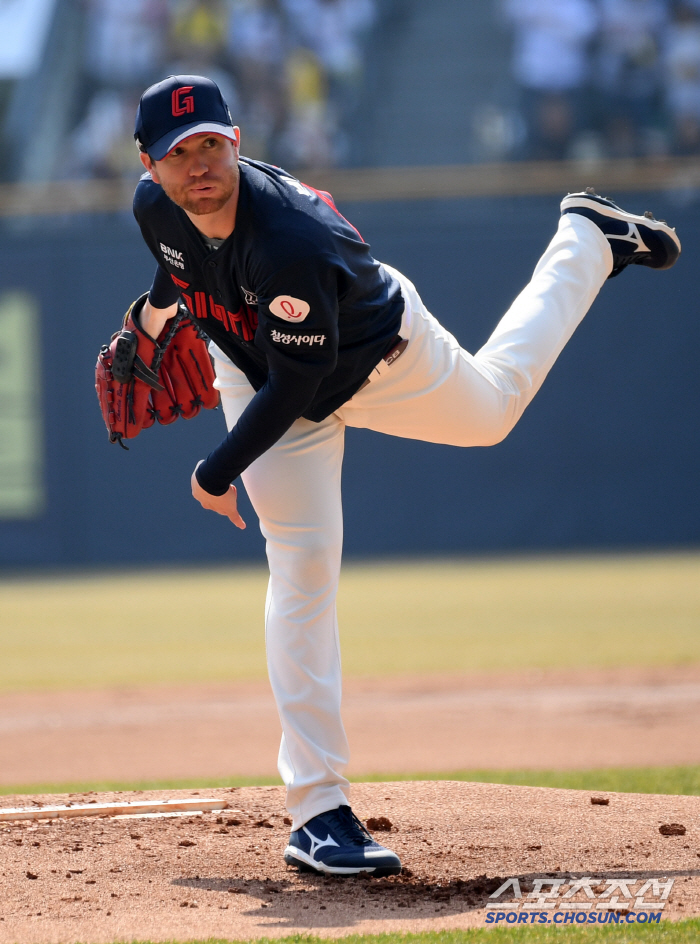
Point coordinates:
[[221, 874]]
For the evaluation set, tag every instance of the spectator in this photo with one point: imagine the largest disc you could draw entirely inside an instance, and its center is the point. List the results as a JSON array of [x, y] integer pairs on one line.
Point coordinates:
[[332, 30], [682, 61], [124, 51], [197, 30], [628, 74], [551, 64], [308, 137], [124, 40], [289, 70], [102, 145], [257, 48]]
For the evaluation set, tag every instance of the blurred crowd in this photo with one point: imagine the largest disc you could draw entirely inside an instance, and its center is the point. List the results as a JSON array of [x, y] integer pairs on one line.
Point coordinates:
[[595, 78], [603, 78], [289, 69]]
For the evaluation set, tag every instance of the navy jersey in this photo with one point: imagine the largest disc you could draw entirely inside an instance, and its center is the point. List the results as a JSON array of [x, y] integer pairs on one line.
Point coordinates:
[[292, 296], [294, 281]]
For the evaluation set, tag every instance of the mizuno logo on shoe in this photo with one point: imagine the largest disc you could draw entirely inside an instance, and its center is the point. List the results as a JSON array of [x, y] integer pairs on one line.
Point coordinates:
[[633, 236], [317, 844]]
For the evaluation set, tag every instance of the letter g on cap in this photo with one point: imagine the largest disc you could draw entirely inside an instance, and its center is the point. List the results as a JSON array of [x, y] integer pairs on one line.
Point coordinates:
[[182, 104]]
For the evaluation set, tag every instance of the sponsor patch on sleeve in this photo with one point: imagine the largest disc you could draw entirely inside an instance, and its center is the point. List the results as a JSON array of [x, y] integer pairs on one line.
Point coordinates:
[[296, 340], [289, 308]]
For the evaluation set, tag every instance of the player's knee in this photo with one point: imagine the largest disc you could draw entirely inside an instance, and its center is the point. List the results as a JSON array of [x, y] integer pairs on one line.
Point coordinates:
[[304, 582], [496, 435], [310, 561], [501, 421], [491, 432]]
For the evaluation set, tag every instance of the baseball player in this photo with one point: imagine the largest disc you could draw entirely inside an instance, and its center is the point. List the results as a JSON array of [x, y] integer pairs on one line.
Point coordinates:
[[310, 334]]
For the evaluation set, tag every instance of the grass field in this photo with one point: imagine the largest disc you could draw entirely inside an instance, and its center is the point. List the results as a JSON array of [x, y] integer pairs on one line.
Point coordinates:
[[677, 781], [437, 617], [681, 932], [451, 616]]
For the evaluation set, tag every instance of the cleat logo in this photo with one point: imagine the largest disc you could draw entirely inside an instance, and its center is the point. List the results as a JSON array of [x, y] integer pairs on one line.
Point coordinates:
[[633, 236], [317, 844]]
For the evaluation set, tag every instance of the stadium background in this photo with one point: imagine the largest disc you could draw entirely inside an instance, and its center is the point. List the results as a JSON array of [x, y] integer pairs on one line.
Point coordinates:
[[525, 614], [606, 458]]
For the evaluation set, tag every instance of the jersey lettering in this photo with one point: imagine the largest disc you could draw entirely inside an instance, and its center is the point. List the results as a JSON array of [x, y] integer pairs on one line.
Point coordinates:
[[297, 185], [242, 323], [200, 304], [305, 190], [247, 323]]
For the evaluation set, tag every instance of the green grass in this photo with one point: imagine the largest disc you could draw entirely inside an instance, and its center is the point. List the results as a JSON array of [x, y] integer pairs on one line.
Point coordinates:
[[681, 932], [677, 781], [451, 616]]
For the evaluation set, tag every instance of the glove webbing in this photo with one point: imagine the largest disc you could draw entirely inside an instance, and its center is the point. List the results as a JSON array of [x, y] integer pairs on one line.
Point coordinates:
[[176, 323], [143, 372]]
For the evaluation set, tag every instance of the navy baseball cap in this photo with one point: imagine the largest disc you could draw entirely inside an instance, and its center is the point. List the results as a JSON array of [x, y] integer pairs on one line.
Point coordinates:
[[175, 109]]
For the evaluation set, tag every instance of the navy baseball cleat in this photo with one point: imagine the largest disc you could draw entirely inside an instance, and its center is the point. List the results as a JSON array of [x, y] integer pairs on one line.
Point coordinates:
[[634, 240], [337, 843]]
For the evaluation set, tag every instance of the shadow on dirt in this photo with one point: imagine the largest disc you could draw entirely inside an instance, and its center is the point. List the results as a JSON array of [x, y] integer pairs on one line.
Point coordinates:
[[361, 898]]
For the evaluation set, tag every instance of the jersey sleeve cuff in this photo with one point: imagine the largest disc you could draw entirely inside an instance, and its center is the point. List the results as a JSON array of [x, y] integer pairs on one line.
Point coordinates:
[[212, 484]]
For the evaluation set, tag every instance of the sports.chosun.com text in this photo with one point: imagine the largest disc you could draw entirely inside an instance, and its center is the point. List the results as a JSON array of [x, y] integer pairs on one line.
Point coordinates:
[[573, 917], [566, 899]]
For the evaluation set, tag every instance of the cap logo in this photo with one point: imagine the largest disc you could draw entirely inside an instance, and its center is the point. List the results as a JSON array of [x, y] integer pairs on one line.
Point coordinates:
[[182, 104]]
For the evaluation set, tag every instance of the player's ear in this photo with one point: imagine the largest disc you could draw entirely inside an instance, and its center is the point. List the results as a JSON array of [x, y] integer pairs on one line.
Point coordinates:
[[237, 132], [149, 165]]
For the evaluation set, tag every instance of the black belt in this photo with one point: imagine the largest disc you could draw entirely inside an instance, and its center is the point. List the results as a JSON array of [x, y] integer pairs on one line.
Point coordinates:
[[397, 348]]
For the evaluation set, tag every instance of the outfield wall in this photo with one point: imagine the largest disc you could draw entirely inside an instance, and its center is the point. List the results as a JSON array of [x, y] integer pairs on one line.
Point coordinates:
[[607, 456]]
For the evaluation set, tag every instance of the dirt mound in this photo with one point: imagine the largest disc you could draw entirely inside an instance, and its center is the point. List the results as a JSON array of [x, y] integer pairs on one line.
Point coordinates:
[[221, 874]]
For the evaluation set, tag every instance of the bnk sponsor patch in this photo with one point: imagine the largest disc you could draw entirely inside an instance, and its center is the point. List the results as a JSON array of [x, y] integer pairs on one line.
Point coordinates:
[[173, 256]]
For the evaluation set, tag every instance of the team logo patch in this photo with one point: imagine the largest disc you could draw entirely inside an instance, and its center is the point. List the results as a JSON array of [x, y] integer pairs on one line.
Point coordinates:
[[173, 256], [250, 297], [300, 340], [289, 308]]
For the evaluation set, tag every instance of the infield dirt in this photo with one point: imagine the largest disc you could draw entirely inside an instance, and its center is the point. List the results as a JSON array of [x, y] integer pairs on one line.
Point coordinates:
[[222, 875], [560, 719]]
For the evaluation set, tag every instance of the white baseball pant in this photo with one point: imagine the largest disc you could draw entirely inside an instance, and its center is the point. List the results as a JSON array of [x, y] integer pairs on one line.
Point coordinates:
[[436, 392]]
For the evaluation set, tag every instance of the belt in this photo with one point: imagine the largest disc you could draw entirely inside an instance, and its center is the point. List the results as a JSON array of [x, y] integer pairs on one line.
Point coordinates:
[[397, 348]]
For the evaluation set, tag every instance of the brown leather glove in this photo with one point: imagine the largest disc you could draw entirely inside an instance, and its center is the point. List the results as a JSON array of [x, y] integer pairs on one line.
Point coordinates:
[[140, 380]]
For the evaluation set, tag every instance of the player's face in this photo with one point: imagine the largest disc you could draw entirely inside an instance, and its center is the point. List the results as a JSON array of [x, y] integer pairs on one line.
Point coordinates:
[[200, 174]]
